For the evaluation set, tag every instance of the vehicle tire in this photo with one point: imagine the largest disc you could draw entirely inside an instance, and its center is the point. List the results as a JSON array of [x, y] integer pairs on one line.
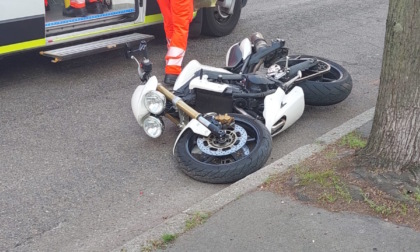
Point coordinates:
[[229, 168], [196, 25], [215, 24], [328, 89]]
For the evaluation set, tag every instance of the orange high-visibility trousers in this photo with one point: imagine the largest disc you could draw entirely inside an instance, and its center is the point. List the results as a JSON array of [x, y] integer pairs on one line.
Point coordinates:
[[81, 3], [177, 15], [77, 4]]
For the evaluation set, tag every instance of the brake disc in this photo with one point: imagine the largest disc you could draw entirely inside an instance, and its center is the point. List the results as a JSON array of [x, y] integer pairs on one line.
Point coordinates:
[[234, 140]]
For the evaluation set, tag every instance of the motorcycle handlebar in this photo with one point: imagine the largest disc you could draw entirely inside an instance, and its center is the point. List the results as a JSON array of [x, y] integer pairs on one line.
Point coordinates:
[[257, 39]]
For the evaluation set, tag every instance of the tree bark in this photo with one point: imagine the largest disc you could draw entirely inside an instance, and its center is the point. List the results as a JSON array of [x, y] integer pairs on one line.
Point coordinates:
[[394, 142]]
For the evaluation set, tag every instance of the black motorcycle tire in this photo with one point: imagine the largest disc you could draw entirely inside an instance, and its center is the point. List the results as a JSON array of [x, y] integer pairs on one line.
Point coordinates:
[[229, 172], [329, 89], [218, 26]]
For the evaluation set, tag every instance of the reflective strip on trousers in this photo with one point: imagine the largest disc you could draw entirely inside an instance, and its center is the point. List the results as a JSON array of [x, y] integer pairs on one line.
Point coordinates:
[[77, 4], [174, 56]]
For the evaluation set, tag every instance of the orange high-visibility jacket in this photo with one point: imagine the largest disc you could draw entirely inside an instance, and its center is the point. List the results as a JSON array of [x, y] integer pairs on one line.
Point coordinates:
[[177, 15]]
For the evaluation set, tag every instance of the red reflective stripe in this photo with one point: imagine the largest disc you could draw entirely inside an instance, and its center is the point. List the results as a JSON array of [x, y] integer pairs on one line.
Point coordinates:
[[78, 4]]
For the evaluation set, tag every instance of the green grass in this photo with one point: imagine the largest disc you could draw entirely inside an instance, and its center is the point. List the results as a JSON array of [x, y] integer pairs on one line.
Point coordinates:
[[417, 196], [162, 243], [331, 154], [380, 209], [166, 238], [197, 219], [326, 179], [403, 209], [269, 179], [353, 140], [308, 177], [328, 197]]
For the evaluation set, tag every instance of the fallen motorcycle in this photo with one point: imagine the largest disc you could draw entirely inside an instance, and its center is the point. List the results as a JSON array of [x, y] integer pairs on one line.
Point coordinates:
[[217, 147], [276, 97], [213, 148]]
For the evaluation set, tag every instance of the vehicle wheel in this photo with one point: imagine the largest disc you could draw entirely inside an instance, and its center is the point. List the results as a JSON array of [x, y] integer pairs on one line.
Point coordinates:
[[196, 25], [247, 149], [216, 22], [328, 89]]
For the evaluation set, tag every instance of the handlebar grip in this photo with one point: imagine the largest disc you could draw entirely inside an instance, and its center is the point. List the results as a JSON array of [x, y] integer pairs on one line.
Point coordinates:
[[257, 39]]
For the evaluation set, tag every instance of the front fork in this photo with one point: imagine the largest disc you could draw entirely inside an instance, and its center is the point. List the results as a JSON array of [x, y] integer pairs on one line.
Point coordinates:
[[192, 113]]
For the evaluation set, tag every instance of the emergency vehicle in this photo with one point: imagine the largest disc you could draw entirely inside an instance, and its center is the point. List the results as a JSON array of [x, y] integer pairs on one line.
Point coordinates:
[[30, 25]]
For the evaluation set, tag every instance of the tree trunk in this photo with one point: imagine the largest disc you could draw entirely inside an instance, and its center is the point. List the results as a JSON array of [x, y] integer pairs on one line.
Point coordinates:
[[394, 142]]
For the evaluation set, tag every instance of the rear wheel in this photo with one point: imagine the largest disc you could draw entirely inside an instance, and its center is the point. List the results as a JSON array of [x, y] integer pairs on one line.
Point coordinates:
[[329, 88], [244, 150], [217, 22]]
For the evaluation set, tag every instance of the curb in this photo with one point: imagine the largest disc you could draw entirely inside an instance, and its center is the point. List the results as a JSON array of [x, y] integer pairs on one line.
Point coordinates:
[[217, 201]]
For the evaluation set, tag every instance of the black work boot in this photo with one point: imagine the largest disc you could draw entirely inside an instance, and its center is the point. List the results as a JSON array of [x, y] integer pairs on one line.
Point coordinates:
[[170, 79], [94, 8], [75, 12]]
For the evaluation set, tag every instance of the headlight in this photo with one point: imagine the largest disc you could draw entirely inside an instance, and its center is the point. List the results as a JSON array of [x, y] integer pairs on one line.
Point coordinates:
[[155, 102], [153, 126]]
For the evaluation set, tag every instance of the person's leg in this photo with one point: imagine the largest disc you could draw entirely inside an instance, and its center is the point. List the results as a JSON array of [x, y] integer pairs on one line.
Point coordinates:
[[77, 8], [182, 13], [165, 9], [94, 6], [47, 6]]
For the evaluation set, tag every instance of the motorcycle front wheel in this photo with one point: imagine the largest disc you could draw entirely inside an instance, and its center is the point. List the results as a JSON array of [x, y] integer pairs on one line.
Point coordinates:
[[329, 88], [245, 151]]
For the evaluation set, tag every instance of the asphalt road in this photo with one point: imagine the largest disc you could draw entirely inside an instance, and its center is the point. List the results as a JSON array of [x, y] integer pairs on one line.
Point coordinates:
[[78, 174]]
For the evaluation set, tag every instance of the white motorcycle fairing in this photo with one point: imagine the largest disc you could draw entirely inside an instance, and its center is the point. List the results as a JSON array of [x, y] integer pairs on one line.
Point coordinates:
[[140, 111], [281, 105], [204, 84], [237, 52], [196, 127], [190, 69], [137, 100]]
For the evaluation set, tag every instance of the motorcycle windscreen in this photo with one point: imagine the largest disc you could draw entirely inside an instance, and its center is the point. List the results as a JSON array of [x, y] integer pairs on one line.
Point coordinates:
[[234, 56]]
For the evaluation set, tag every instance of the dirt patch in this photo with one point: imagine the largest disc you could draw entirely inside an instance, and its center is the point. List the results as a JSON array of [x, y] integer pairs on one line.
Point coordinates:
[[333, 180]]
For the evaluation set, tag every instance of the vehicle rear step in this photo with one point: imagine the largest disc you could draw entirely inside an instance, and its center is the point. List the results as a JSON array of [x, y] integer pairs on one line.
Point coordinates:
[[80, 50]]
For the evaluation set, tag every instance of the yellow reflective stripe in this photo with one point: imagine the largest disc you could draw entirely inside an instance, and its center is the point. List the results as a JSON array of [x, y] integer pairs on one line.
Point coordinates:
[[153, 18], [22, 46], [148, 19], [157, 18], [42, 42]]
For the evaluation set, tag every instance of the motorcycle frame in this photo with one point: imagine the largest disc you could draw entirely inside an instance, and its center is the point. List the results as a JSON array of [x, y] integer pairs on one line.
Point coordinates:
[[281, 109]]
